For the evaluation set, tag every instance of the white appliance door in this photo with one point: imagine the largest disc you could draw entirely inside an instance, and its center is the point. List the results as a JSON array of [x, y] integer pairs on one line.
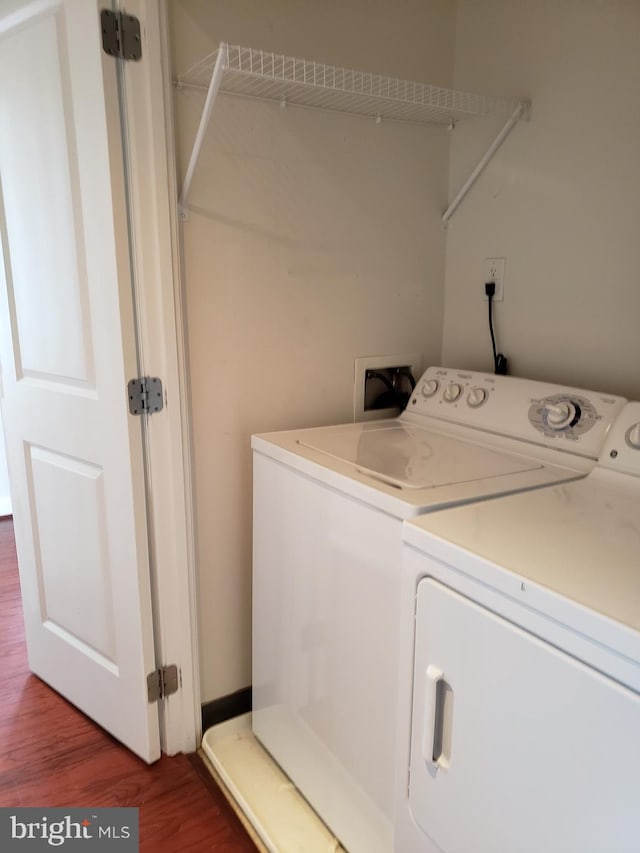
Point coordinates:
[[515, 745], [68, 347]]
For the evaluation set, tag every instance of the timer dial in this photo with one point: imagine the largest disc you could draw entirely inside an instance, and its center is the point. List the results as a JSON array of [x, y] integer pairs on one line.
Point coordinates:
[[559, 415], [563, 416]]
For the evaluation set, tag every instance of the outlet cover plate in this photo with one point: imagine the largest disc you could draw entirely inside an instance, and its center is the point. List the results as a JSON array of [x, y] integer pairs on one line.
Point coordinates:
[[373, 362], [493, 270]]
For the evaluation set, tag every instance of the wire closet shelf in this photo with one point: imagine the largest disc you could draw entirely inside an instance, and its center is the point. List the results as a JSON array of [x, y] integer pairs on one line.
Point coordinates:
[[274, 77], [289, 80]]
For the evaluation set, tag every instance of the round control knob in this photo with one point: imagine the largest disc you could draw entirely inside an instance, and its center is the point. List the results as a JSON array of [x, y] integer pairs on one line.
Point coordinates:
[[452, 392], [633, 436], [559, 415], [476, 397], [430, 387]]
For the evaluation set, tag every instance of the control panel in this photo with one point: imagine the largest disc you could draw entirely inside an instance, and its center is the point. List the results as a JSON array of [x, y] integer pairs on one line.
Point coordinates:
[[571, 419], [622, 449]]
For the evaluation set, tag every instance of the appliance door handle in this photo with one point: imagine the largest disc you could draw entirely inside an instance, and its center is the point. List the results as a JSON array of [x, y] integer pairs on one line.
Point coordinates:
[[433, 717]]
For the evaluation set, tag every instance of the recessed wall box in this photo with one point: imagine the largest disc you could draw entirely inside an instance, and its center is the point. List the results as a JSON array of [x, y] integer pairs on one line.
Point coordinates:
[[374, 378]]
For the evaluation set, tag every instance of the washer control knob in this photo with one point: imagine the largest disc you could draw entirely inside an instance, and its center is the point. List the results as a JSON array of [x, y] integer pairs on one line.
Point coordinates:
[[633, 436], [430, 387], [452, 392], [476, 397], [559, 415]]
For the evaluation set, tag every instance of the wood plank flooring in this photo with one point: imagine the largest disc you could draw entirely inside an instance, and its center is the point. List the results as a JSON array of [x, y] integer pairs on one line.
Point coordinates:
[[52, 755]]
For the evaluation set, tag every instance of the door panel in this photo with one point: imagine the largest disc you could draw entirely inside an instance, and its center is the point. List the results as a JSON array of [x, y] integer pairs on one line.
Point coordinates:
[[41, 195], [74, 603], [68, 347], [534, 752]]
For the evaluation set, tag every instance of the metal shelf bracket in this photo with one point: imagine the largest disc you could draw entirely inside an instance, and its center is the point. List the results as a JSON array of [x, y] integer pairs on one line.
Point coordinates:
[[519, 112], [214, 86]]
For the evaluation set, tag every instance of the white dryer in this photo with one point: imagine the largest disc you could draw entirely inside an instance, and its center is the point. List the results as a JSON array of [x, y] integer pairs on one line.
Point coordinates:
[[519, 720], [329, 504]]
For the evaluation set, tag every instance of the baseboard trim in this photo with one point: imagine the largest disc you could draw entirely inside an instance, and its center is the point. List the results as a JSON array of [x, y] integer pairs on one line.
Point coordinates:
[[226, 707]]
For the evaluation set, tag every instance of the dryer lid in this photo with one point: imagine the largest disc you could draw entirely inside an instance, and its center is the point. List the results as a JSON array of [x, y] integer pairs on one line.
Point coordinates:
[[409, 457]]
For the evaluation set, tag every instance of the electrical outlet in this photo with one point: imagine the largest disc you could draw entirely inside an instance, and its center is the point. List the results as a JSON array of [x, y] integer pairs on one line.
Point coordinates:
[[493, 270]]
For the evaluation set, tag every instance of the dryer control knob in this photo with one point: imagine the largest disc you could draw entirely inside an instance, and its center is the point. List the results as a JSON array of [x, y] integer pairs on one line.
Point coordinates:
[[633, 436], [429, 387], [476, 397], [452, 392], [559, 415]]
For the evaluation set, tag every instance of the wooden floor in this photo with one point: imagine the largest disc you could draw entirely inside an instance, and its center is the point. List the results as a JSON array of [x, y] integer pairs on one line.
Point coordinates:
[[52, 755]]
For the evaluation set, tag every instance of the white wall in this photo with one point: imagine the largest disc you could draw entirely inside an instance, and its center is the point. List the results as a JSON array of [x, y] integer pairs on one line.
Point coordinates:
[[314, 239], [561, 200]]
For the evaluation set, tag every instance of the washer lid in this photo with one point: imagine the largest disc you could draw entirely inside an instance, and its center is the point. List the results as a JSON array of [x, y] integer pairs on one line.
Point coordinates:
[[408, 457]]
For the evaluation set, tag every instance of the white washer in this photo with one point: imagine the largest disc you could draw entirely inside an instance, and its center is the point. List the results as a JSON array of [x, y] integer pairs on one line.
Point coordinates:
[[329, 504], [519, 720]]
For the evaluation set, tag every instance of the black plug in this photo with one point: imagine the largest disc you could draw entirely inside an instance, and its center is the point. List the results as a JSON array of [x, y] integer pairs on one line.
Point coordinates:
[[499, 360], [501, 364]]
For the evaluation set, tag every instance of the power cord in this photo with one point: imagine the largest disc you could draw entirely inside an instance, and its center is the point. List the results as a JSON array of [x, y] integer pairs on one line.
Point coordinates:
[[499, 360]]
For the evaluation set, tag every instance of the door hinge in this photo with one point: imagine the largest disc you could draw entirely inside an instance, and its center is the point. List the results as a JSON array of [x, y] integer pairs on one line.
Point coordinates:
[[121, 35], [163, 682], [145, 395]]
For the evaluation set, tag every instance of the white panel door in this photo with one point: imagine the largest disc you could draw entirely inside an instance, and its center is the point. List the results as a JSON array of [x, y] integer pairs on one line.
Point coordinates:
[[68, 347], [5, 491], [515, 745]]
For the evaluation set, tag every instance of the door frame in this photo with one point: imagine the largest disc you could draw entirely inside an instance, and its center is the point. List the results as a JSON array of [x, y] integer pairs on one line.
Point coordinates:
[[156, 259]]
